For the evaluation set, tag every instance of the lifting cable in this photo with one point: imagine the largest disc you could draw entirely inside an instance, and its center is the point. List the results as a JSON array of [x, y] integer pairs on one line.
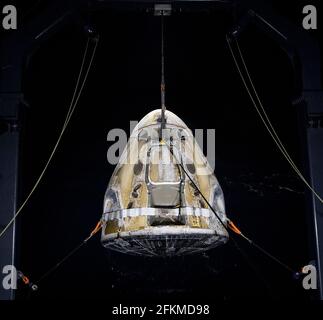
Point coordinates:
[[263, 114], [76, 96]]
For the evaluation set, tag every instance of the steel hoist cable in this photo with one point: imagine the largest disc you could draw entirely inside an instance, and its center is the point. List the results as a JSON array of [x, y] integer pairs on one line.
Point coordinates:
[[162, 80]]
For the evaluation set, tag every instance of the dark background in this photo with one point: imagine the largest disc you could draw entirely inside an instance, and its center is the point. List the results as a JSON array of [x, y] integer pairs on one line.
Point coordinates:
[[262, 193]]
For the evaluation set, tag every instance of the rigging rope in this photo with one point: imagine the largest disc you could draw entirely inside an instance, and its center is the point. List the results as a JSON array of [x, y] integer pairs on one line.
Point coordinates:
[[72, 252], [76, 96], [35, 287], [264, 117]]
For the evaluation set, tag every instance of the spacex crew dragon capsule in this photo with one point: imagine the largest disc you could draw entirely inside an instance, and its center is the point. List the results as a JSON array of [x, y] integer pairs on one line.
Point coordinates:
[[153, 205]]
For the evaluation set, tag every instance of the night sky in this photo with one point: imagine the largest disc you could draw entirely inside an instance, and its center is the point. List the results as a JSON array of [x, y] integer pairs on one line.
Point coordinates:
[[262, 193]]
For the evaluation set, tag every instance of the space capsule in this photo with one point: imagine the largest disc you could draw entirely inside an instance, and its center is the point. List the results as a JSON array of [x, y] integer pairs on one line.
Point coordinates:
[[153, 205]]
